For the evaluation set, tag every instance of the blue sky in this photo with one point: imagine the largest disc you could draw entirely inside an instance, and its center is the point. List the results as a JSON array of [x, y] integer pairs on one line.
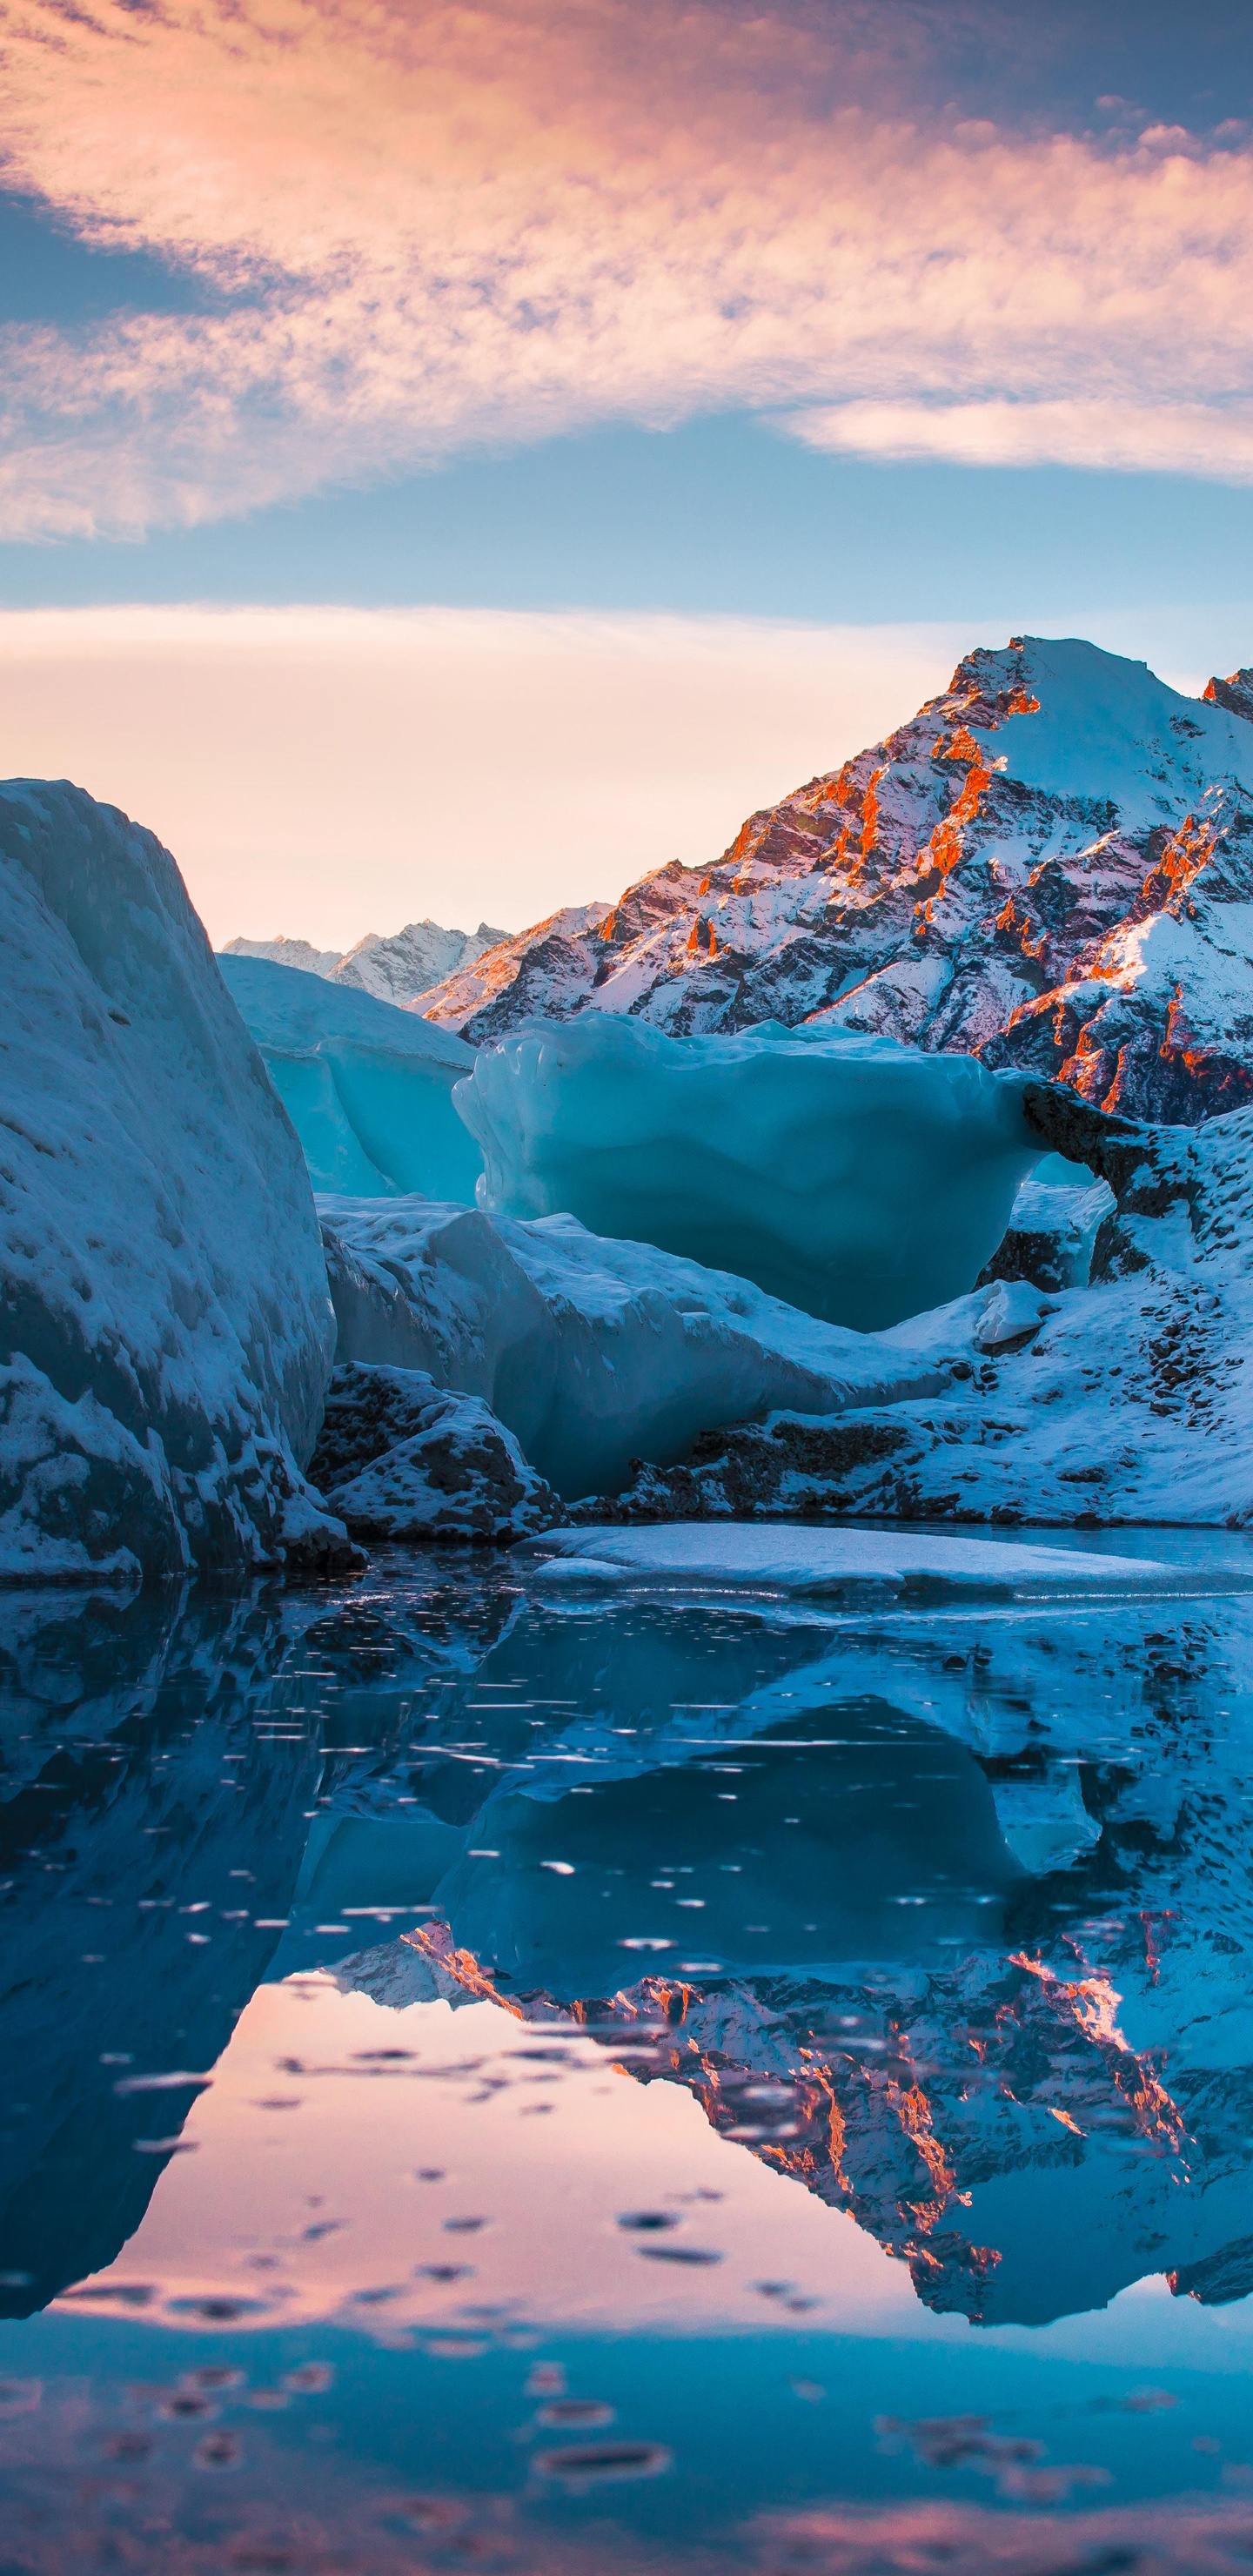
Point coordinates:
[[831, 315]]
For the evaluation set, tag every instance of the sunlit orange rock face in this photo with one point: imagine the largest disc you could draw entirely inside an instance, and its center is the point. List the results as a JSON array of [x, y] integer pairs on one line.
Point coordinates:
[[1047, 868], [958, 2115]]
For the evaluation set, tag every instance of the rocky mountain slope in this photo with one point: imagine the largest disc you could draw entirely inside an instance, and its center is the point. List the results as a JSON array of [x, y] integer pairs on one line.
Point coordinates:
[[1051, 866], [400, 969]]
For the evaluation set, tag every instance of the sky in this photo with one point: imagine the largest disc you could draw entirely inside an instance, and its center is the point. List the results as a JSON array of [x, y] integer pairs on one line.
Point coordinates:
[[454, 458]]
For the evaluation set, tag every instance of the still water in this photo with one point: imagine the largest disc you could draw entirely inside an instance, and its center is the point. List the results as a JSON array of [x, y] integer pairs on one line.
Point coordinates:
[[495, 2083]]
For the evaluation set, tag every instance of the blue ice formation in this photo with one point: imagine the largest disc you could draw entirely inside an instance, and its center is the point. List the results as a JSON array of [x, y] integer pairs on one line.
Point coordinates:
[[366, 1086], [855, 1178], [168, 1335]]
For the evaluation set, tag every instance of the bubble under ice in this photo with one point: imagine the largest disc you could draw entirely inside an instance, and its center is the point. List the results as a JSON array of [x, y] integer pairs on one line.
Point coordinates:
[[852, 1177]]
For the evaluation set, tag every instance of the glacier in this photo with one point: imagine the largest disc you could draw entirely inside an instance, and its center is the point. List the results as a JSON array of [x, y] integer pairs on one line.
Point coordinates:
[[167, 1335], [367, 1086], [854, 1178]]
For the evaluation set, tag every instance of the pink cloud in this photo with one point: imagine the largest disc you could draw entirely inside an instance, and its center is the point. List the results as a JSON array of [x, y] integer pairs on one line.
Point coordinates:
[[446, 224]]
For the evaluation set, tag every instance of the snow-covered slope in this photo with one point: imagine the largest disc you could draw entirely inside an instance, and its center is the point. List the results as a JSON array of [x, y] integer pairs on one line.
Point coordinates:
[[593, 1353], [367, 1087], [401, 968], [1051, 865], [166, 1333], [398, 969]]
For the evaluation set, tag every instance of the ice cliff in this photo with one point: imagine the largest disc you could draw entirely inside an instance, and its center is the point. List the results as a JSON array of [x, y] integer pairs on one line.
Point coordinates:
[[854, 1178], [367, 1086], [1050, 866], [167, 1334]]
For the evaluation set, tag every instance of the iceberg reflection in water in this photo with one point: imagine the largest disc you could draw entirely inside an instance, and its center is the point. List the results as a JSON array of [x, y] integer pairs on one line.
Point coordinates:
[[796, 2063]]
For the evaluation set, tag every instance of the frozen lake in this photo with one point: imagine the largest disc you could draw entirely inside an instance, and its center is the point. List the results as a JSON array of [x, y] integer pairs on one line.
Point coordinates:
[[494, 2077]]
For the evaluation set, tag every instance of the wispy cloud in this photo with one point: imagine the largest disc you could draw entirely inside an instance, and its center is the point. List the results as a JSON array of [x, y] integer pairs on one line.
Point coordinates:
[[435, 225]]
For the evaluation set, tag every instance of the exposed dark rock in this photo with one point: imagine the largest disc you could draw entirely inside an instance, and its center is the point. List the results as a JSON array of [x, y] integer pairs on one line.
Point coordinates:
[[400, 1458]]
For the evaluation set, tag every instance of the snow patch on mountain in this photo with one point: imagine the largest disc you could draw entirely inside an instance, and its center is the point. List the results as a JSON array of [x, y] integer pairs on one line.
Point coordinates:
[[286, 952], [400, 969], [403, 968]]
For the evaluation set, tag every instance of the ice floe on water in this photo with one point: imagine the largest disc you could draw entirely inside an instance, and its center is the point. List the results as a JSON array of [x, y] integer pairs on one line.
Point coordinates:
[[853, 1562]]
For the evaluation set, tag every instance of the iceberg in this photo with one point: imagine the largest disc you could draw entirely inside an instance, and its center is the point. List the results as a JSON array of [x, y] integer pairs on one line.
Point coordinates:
[[400, 1458], [366, 1085], [167, 1334], [851, 1177], [594, 1352]]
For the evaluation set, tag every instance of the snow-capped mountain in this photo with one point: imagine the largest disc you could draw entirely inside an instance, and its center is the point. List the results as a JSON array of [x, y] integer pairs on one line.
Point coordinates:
[[286, 952], [1051, 866], [407, 965], [400, 969]]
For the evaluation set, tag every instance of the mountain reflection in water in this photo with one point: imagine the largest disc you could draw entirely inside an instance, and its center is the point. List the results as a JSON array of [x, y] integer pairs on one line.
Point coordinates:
[[944, 1922]]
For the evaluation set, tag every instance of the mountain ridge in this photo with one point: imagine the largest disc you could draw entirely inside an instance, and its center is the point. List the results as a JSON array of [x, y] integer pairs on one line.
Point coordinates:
[[401, 969], [1049, 866]]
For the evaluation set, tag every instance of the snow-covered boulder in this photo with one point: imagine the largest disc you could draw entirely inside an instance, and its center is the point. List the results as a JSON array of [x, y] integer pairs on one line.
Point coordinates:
[[367, 1086], [400, 1458], [1050, 865], [165, 1330], [593, 1352], [852, 1177], [1053, 1227]]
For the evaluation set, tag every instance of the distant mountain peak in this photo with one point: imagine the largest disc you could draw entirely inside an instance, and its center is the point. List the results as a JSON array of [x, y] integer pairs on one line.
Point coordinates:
[[400, 969]]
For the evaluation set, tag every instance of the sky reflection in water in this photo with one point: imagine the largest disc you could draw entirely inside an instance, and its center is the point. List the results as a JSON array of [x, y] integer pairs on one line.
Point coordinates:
[[529, 2085]]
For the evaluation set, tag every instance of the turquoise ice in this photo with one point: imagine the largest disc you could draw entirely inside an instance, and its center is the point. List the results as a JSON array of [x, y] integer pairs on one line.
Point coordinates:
[[850, 1176]]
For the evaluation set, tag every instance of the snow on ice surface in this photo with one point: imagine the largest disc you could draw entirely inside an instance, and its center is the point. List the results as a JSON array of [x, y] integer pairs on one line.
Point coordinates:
[[852, 1177], [784, 1559], [595, 1352], [168, 1334], [367, 1086]]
